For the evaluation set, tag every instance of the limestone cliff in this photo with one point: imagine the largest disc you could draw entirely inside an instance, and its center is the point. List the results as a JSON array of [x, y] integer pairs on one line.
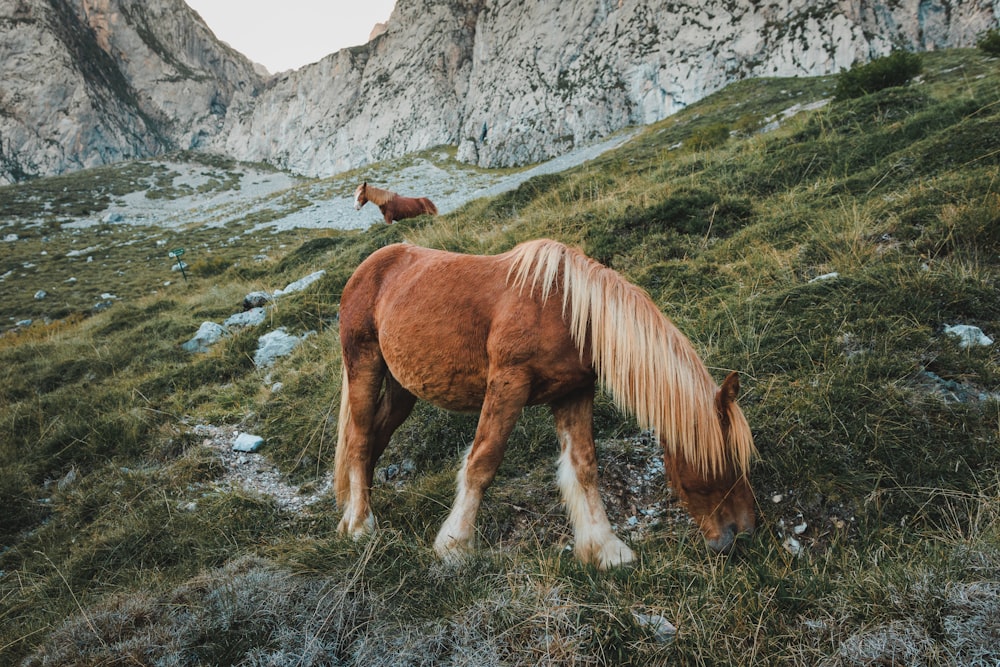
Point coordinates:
[[88, 82], [517, 81], [508, 82]]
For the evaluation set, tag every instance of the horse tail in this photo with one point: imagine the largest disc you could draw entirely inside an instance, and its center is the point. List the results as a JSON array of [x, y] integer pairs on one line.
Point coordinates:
[[341, 477]]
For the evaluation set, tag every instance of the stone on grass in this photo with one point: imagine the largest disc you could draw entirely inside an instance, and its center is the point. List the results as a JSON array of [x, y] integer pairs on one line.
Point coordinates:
[[245, 442], [300, 284], [277, 343], [792, 545], [208, 335], [662, 629], [256, 300], [248, 318], [968, 335]]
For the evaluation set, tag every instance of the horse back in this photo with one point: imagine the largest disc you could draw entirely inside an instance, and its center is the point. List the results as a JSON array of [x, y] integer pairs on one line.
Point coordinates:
[[445, 322]]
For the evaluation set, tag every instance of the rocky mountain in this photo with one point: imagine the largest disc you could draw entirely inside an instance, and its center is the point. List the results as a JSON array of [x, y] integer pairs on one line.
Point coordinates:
[[515, 81], [508, 82], [89, 82]]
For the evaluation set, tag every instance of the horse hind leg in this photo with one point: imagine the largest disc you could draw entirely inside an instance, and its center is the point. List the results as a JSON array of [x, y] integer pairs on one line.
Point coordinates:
[[595, 541], [369, 416]]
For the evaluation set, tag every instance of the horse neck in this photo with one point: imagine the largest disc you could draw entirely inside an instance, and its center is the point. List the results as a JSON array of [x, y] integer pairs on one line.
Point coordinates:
[[378, 196]]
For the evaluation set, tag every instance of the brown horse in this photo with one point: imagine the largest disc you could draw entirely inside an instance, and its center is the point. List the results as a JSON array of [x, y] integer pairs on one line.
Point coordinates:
[[540, 324], [394, 207]]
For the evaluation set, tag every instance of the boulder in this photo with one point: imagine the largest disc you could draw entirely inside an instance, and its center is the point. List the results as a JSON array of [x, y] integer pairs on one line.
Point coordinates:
[[208, 335]]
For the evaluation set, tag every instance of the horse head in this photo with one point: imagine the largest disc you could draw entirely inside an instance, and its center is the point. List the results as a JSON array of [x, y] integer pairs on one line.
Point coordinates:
[[361, 196], [721, 502]]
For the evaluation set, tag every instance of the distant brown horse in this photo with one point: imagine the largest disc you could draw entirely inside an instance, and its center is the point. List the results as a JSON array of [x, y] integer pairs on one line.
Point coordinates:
[[394, 207], [540, 324]]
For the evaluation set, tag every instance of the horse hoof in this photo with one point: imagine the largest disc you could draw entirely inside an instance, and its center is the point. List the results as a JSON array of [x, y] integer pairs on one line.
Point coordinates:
[[356, 529], [614, 554], [451, 551]]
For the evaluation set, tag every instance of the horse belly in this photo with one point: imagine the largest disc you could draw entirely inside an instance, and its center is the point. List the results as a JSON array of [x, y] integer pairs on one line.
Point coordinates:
[[435, 360]]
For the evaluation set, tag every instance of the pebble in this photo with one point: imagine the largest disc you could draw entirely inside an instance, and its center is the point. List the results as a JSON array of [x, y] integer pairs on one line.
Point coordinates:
[[968, 335], [662, 629], [245, 442]]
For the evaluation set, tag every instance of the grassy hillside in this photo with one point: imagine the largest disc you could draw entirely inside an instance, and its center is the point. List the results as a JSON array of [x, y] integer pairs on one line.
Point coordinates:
[[819, 249]]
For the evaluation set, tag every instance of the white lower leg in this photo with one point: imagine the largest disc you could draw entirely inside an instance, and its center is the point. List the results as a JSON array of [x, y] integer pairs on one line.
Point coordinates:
[[455, 538], [595, 541], [358, 519]]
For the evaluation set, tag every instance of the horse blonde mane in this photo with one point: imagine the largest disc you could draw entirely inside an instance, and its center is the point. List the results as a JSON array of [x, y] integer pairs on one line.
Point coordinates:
[[377, 196], [650, 368]]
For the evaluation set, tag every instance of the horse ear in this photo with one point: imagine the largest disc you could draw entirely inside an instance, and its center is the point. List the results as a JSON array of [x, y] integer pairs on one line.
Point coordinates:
[[729, 390]]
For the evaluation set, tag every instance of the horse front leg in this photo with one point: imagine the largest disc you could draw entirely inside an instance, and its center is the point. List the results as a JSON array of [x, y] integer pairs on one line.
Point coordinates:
[[501, 408], [595, 541], [386, 214]]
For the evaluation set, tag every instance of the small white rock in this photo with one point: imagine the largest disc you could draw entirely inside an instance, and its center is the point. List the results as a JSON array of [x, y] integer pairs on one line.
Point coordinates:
[[246, 442], [662, 629], [792, 545], [968, 335]]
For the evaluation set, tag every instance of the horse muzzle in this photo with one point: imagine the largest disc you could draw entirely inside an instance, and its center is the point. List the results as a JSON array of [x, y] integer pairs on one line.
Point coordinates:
[[724, 542], [742, 523]]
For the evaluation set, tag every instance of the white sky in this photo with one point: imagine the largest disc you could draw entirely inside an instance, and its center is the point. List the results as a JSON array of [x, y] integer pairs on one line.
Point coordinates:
[[291, 33]]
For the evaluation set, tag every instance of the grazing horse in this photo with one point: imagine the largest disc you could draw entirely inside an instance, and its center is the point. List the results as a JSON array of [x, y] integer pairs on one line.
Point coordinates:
[[539, 324], [394, 207]]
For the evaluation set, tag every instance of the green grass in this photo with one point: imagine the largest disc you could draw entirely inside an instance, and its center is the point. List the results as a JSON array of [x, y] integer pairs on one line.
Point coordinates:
[[120, 543]]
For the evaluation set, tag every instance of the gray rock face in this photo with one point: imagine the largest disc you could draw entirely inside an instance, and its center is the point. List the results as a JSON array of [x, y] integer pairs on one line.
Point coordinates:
[[402, 92], [90, 82], [512, 82], [509, 82]]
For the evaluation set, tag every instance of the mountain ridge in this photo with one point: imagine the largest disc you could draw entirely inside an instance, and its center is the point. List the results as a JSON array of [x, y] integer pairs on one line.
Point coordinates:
[[506, 83]]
